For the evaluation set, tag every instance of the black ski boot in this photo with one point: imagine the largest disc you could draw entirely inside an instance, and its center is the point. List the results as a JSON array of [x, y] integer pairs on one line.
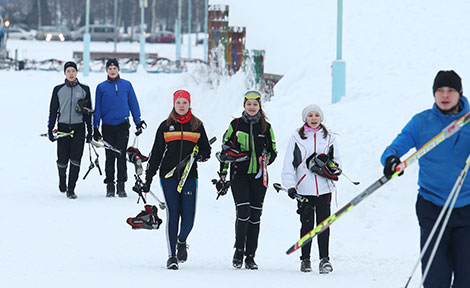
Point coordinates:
[[62, 177], [172, 263], [325, 266], [306, 265], [237, 260], [182, 253], [250, 262], [71, 194], [110, 189], [121, 189], [73, 177]]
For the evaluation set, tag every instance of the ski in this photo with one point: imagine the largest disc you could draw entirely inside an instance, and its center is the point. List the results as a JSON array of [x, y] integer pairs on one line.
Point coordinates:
[[178, 167], [446, 133], [58, 134], [298, 197], [103, 144], [189, 164]]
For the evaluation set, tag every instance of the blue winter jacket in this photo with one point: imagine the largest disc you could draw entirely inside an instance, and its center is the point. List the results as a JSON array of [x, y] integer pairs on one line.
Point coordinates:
[[440, 167], [113, 101]]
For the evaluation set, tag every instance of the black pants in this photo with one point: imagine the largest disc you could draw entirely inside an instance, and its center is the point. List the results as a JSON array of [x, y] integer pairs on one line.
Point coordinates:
[[319, 206], [118, 136], [248, 194], [70, 149], [453, 254]]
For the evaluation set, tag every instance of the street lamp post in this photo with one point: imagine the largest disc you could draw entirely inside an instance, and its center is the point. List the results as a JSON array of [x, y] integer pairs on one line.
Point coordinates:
[[339, 65], [86, 41], [143, 5], [206, 32], [189, 29], [178, 34]]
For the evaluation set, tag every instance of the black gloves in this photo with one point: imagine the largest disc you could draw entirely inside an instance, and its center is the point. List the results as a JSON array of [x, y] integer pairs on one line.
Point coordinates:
[[139, 127], [291, 192], [221, 185], [146, 185], [390, 165], [201, 158], [96, 134], [50, 135]]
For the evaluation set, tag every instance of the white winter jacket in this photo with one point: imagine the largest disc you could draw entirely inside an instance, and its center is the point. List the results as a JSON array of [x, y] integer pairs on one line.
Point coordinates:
[[295, 172]]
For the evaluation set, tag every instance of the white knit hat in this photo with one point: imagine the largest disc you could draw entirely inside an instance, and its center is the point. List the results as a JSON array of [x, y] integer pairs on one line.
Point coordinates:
[[312, 108]]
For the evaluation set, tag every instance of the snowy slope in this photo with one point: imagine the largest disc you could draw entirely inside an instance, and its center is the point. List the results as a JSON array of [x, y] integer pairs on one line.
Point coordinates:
[[392, 51]]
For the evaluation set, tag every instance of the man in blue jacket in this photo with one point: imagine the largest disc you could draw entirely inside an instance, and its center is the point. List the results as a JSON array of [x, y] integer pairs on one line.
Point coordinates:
[[438, 172], [114, 100]]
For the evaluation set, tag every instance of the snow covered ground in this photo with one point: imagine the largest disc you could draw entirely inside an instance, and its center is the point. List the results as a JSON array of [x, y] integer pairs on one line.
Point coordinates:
[[393, 51]]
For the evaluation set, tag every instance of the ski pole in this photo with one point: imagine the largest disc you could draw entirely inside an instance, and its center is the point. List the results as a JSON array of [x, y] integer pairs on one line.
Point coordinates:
[[447, 207], [332, 164], [161, 204], [298, 197]]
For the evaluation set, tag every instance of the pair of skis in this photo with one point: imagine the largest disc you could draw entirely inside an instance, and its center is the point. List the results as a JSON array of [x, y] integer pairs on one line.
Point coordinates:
[[58, 134], [446, 133], [187, 164]]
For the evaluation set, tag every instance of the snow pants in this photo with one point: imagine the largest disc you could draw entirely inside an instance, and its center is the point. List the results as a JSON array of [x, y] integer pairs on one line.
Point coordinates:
[[248, 194], [453, 254], [70, 149], [118, 137], [181, 210], [319, 206]]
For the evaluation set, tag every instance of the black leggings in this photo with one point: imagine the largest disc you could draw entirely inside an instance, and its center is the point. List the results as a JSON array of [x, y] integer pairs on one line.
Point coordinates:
[[117, 136], [319, 206], [70, 149]]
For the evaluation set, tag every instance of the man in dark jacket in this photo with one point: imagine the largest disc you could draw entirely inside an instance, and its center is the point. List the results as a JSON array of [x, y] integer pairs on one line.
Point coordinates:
[[71, 108], [115, 99]]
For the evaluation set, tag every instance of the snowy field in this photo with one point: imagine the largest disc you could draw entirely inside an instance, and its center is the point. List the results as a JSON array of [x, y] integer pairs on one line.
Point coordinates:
[[392, 51]]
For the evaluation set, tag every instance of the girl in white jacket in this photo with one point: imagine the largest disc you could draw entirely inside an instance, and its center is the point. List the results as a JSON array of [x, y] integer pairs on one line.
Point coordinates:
[[309, 143]]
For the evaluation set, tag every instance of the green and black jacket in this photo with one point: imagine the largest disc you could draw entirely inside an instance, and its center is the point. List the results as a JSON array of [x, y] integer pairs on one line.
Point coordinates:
[[249, 138]]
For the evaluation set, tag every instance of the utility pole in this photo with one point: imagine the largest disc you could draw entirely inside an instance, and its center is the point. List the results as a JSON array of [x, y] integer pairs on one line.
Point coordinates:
[[115, 24], [206, 32], [39, 16], [339, 65], [189, 29], [86, 41], [178, 34], [143, 5]]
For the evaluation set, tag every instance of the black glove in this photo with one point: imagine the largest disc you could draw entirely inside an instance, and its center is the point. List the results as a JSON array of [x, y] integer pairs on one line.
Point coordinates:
[[146, 187], [390, 165], [291, 192], [50, 135], [96, 134], [139, 127], [201, 158]]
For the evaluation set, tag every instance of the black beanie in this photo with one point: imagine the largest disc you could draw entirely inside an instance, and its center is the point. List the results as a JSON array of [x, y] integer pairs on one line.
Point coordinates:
[[447, 79], [112, 61], [70, 64]]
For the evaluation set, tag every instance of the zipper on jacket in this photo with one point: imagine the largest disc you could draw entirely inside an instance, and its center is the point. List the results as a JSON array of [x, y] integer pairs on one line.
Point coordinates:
[[115, 86], [315, 151], [71, 101], [181, 148]]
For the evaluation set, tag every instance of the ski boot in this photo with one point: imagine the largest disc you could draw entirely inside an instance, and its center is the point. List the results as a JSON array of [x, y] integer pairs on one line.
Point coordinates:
[[237, 260], [71, 194], [172, 263], [110, 189], [325, 266], [250, 262], [121, 189], [306, 265], [62, 178], [182, 253]]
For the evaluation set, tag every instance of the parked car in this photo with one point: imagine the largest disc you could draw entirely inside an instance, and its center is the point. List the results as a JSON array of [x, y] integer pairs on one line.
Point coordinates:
[[19, 33], [160, 37], [51, 33], [97, 33]]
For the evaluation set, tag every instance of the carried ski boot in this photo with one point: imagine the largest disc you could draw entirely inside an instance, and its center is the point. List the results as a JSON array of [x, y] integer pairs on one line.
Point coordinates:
[[237, 260], [306, 265], [172, 263], [146, 219], [182, 252], [250, 262], [121, 189], [325, 266], [110, 188]]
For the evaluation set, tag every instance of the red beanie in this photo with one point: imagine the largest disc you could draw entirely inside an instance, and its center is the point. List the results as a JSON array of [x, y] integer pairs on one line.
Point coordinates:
[[181, 94]]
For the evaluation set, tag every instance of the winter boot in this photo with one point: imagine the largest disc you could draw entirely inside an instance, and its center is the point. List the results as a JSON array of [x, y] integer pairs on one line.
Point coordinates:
[[110, 189], [73, 177], [237, 260], [306, 265], [62, 177], [182, 253], [121, 189], [172, 263], [325, 266], [250, 262]]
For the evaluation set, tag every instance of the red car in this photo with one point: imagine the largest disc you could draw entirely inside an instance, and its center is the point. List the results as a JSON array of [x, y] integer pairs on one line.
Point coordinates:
[[160, 37]]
